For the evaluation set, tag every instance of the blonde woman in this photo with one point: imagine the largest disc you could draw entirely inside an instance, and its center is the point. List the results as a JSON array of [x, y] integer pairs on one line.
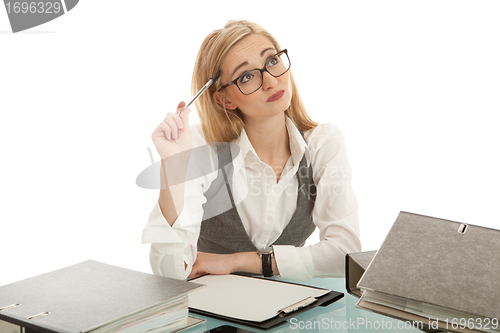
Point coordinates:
[[289, 176]]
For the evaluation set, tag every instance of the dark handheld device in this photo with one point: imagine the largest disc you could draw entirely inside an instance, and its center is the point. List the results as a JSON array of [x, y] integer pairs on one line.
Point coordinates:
[[228, 329]]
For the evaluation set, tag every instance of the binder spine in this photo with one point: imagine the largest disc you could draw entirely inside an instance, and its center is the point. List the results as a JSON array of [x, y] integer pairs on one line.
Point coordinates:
[[8, 327], [12, 325]]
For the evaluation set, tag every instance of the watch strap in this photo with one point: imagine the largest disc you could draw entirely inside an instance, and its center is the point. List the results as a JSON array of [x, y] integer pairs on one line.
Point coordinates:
[[267, 264]]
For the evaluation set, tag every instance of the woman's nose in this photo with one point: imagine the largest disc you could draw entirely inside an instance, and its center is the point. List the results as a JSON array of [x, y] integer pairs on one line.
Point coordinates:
[[268, 81]]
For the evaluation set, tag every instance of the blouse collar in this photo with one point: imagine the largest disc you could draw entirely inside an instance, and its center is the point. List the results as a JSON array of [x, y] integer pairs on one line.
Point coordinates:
[[298, 145]]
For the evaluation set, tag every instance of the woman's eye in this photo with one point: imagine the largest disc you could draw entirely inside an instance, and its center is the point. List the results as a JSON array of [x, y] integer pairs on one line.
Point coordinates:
[[273, 61], [245, 78]]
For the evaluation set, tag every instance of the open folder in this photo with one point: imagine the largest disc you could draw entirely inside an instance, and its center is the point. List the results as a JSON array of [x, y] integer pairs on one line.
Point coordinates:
[[255, 301], [443, 273]]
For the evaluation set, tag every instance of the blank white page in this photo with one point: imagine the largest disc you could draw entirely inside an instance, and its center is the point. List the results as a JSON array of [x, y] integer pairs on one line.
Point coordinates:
[[247, 298]]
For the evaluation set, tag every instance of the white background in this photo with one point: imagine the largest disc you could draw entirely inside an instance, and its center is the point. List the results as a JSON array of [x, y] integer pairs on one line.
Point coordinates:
[[414, 86]]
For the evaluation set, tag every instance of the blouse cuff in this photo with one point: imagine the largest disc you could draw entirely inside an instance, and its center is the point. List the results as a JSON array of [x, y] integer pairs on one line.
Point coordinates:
[[158, 230], [293, 263]]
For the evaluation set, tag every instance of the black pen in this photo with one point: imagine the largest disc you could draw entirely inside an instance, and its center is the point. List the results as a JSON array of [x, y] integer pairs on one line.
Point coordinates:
[[210, 82]]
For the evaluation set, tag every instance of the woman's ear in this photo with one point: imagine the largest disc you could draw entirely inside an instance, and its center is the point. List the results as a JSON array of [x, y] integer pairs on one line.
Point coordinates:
[[221, 99]]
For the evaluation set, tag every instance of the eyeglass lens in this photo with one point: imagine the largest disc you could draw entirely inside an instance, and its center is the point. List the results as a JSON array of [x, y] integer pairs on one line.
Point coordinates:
[[252, 81]]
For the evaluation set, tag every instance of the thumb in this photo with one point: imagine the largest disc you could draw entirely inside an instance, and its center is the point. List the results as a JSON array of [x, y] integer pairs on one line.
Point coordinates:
[[184, 115], [181, 105]]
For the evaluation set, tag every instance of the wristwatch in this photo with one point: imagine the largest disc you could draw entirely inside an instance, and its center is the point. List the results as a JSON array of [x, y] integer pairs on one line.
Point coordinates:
[[267, 264]]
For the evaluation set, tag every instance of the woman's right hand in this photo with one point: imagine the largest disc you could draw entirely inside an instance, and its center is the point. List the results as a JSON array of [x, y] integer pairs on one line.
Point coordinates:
[[173, 135]]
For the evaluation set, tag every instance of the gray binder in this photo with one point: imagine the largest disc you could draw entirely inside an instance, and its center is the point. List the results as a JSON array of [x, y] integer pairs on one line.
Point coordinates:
[[355, 266], [84, 296], [438, 262]]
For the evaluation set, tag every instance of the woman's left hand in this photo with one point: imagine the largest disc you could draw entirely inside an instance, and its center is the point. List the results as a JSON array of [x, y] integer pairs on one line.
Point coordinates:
[[211, 263]]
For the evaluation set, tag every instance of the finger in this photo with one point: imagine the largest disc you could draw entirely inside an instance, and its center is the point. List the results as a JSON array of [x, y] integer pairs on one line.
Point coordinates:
[[185, 117], [195, 272], [174, 131], [158, 132], [162, 130], [179, 108], [183, 114], [167, 132], [178, 120]]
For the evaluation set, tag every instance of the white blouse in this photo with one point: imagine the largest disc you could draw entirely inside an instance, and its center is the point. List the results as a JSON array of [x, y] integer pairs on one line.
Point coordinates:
[[265, 208]]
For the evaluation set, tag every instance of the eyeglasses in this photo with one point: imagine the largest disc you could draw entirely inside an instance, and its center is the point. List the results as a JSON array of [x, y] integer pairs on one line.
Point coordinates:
[[251, 81]]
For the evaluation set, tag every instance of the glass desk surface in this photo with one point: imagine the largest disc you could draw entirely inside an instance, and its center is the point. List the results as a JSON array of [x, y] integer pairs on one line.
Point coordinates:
[[340, 316]]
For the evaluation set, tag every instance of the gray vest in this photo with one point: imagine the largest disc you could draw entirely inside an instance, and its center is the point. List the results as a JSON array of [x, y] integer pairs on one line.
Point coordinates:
[[225, 233]]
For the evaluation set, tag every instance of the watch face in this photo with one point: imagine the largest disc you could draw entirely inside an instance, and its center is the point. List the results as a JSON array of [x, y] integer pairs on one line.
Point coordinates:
[[266, 250]]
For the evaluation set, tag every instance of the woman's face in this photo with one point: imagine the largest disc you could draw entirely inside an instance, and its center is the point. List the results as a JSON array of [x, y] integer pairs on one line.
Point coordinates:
[[272, 98]]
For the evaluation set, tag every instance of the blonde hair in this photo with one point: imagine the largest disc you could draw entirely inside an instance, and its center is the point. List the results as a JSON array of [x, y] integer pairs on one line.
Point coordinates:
[[218, 123]]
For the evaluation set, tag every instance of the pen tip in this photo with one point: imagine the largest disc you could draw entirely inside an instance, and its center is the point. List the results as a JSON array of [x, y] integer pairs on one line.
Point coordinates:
[[215, 77]]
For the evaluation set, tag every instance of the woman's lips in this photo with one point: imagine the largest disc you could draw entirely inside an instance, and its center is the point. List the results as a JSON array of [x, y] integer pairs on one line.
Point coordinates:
[[276, 96]]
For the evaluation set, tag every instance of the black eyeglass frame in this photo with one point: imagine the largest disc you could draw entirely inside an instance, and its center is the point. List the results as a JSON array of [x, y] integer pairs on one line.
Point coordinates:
[[262, 70]]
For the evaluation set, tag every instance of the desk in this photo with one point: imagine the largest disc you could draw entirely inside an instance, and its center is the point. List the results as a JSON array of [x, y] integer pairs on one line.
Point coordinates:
[[341, 316]]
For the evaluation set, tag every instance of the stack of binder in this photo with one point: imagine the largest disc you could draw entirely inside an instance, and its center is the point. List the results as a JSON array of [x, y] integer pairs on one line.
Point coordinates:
[[442, 273], [95, 297]]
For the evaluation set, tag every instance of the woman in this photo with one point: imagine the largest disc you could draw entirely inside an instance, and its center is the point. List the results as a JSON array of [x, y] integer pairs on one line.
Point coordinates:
[[294, 173]]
